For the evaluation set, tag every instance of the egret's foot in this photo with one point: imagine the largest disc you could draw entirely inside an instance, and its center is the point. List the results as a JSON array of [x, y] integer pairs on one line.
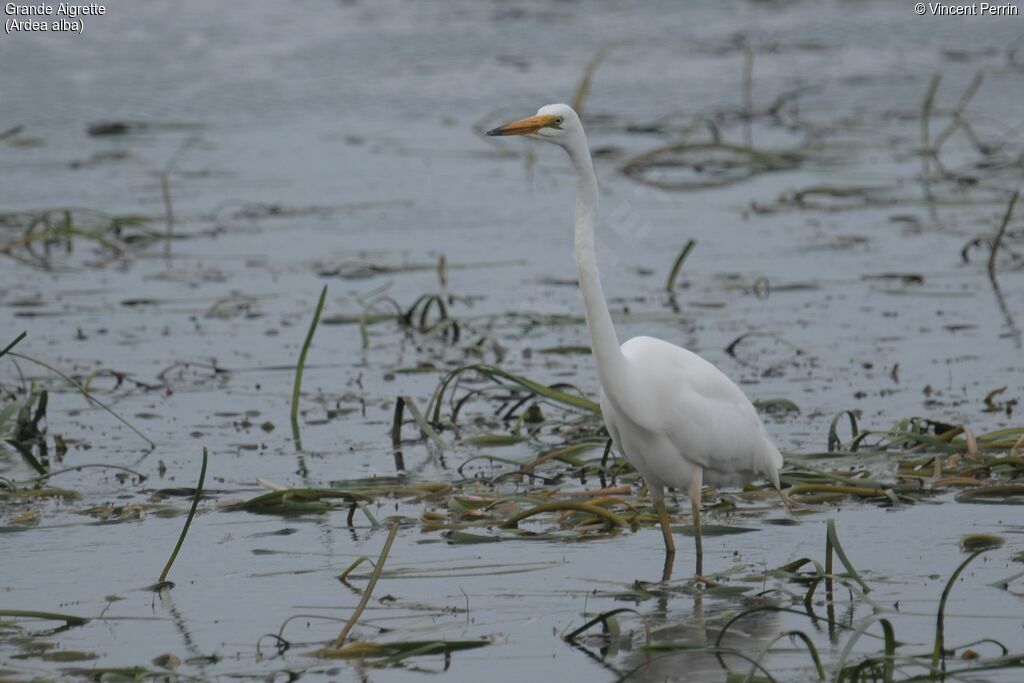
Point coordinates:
[[710, 583], [790, 505]]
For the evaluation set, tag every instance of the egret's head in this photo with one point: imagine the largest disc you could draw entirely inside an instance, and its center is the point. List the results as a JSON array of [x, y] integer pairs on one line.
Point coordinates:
[[552, 122]]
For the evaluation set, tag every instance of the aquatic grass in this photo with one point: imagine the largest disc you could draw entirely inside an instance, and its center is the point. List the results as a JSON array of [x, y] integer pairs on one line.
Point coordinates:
[[998, 241], [377, 569], [610, 519], [1006, 494], [502, 377], [579, 100], [22, 494], [981, 541], [748, 90], [426, 429], [927, 151], [832, 544], [162, 582], [68, 619], [957, 120], [53, 232], [297, 501], [677, 266], [607, 621], [712, 164], [17, 340], [732, 347], [369, 315], [53, 473], [808, 643], [834, 442], [397, 651], [87, 394], [835, 199], [938, 652], [20, 428], [416, 317], [463, 571], [301, 365], [854, 673]]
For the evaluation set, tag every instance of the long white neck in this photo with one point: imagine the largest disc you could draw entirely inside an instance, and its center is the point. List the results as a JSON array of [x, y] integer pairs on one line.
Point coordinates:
[[603, 340]]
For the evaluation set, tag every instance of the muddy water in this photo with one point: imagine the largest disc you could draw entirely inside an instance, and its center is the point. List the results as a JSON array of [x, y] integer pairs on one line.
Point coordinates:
[[302, 143]]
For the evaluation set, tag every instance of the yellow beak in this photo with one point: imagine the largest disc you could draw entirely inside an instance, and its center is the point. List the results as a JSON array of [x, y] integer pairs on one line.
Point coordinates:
[[526, 126]]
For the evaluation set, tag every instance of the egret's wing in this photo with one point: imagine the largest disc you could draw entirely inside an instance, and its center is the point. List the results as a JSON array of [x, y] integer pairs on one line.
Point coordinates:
[[706, 417]]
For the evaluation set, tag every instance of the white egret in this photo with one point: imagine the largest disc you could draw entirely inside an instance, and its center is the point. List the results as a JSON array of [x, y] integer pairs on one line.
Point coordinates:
[[676, 417]]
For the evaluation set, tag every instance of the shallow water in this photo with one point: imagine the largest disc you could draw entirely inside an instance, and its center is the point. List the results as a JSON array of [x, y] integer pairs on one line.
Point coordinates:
[[356, 121]]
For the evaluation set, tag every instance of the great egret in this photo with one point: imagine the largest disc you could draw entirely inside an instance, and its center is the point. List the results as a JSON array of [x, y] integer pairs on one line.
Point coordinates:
[[676, 417]]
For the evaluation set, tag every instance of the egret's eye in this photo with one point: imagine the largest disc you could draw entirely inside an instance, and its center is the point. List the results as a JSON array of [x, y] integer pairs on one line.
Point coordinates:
[[558, 121]]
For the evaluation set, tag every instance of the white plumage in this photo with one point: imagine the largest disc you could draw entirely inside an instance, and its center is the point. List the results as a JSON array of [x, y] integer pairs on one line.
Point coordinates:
[[676, 417], [695, 418]]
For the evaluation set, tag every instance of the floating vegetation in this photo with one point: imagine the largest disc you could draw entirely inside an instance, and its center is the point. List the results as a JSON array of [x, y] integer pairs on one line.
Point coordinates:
[[699, 165], [397, 651], [298, 501], [47, 239]]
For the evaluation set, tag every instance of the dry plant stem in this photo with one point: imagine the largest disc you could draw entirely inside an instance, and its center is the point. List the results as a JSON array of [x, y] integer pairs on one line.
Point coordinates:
[[369, 587], [165, 190], [583, 88], [748, 93]]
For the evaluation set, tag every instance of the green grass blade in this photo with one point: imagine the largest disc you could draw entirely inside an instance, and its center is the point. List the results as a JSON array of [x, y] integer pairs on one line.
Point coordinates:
[[297, 387], [14, 343], [677, 266], [995, 243], [834, 442], [26, 453], [601, 618], [88, 396], [425, 428], [939, 618], [756, 664], [377, 569], [890, 644], [188, 522], [833, 538], [68, 619]]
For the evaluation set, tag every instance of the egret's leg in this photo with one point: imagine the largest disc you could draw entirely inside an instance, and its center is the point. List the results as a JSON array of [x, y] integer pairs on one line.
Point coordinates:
[[696, 484], [666, 572], [659, 503]]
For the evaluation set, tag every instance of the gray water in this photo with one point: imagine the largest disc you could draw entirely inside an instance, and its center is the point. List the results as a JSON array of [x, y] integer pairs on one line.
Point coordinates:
[[360, 123]]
